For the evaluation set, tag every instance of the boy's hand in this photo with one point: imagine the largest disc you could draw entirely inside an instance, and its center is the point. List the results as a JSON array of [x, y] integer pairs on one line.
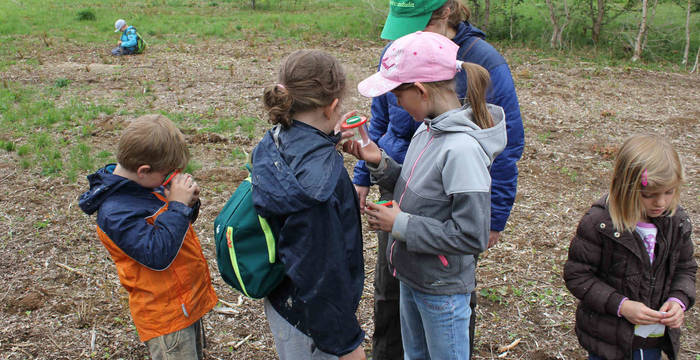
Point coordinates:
[[119, 43], [674, 314], [381, 217], [183, 189], [639, 314]]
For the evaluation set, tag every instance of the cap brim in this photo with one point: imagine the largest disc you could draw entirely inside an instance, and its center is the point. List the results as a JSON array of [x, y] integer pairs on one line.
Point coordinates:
[[396, 27], [376, 85]]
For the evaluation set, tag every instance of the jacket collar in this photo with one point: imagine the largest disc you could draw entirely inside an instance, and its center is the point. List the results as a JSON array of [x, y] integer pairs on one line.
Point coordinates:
[[631, 240]]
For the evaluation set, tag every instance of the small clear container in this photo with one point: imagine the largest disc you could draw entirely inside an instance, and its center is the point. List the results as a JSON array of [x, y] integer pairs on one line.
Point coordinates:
[[358, 125]]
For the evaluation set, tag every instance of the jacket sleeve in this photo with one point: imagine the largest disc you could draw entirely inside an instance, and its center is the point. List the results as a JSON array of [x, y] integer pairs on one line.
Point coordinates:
[[466, 230], [378, 125], [386, 172], [504, 170], [130, 39], [683, 282], [317, 264], [153, 246], [581, 268]]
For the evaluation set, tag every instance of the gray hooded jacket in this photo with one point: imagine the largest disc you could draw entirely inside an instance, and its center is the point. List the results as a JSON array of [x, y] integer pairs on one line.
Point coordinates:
[[443, 190]]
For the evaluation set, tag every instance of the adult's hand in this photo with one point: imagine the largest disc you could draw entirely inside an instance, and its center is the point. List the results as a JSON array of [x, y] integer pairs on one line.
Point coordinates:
[[362, 192], [494, 236]]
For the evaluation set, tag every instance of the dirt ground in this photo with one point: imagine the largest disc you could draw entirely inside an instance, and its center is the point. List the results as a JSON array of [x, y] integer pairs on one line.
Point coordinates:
[[61, 298]]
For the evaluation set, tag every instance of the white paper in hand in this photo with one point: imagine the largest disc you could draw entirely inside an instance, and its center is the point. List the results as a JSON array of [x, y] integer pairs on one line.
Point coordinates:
[[650, 331]]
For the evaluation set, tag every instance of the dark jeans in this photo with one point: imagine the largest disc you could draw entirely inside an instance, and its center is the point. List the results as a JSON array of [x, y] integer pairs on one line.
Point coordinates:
[[118, 51], [637, 354], [386, 341]]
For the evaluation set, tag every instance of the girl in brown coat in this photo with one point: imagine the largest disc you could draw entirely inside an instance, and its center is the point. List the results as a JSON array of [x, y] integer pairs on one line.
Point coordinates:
[[631, 262]]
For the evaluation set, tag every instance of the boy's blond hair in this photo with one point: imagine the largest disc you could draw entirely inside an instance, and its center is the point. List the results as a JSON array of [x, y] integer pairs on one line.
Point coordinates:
[[642, 159], [152, 140]]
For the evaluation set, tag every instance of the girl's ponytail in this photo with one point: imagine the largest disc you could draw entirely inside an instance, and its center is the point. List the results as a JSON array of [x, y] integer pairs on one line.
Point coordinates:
[[308, 79], [278, 103], [478, 82]]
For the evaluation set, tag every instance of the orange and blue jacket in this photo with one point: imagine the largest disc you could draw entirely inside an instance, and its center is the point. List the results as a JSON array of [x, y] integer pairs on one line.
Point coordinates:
[[158, 256]]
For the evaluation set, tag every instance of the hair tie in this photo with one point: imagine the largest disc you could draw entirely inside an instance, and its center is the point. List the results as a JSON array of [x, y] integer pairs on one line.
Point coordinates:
[[459, 65], [645, 181], [282, 86]]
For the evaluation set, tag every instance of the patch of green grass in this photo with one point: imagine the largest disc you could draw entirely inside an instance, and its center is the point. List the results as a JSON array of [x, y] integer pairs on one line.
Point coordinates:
[[238, 154], [163, 20], [571, 173], [35, 126], [192, 166], [62, 82], [9, 146]]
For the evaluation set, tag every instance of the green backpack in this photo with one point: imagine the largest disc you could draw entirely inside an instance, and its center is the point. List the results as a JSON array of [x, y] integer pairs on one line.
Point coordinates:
[[140, 43], [246, 246]]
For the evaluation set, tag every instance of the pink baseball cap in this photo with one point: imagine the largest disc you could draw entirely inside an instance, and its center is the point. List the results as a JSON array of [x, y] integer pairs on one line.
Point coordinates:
[[417, 57]]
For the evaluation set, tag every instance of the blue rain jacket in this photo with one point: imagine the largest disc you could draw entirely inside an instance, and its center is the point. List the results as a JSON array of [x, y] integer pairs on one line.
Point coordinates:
[[129, 38], [123, 208], [304, 191], [392, 128]]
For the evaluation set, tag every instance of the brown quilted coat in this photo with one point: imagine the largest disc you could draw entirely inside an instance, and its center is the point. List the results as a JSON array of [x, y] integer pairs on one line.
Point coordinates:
[[606, 265]]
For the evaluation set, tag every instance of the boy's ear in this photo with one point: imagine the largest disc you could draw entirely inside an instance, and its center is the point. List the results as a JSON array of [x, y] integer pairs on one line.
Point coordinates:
[[330, 109], [143, 170]]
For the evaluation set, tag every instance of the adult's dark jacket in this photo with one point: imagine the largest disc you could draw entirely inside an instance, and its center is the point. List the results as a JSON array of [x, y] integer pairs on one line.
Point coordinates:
[[605, 265], [392, 128], [302, 187]]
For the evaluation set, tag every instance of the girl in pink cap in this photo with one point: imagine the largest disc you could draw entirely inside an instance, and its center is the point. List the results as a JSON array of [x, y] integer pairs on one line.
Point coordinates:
[[441, 214]]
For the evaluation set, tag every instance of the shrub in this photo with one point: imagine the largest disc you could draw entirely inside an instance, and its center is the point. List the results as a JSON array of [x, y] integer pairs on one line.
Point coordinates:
[[86, 15]]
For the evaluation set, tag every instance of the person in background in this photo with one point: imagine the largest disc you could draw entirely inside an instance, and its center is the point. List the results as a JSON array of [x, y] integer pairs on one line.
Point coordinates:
[[631, 261], [392, 128], [127, 43]]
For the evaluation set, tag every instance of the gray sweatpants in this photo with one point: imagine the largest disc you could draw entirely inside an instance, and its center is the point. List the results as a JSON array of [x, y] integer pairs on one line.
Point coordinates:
[[291, 343]]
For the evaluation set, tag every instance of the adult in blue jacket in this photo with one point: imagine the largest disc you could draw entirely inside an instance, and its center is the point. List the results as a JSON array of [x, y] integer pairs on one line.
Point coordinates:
[[392, 128], [129, 40]]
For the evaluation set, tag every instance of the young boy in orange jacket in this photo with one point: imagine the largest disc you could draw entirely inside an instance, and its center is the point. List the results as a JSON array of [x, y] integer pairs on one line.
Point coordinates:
[[145, 210]]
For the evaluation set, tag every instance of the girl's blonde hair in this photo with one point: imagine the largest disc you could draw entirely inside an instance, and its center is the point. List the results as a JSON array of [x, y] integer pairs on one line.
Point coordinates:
[[478, 82], [308, 79], [642, 159]]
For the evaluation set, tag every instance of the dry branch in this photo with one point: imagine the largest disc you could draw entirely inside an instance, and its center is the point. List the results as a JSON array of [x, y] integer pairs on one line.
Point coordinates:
[[72, 269], [509, 346]]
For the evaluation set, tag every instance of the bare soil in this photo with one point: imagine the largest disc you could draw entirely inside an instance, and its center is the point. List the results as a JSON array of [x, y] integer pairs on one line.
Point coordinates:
[[61, 298]]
